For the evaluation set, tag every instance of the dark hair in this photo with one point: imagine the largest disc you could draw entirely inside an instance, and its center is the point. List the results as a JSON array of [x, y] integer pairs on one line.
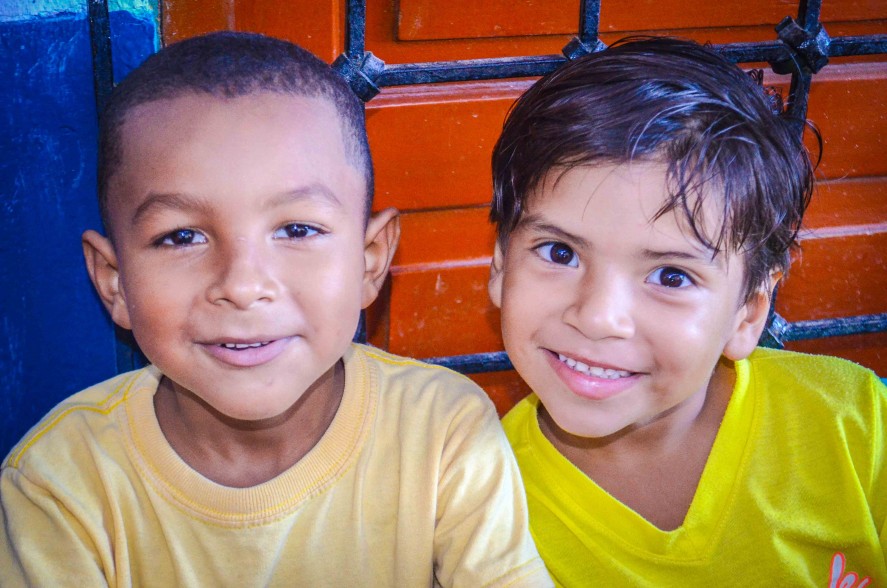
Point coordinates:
[[716, 129], [230, 65]]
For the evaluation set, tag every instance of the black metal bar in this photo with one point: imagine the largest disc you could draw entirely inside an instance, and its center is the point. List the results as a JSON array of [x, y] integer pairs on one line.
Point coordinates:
[[808, 14], [475, 363], [360, 334], [752, 52], [468, 70], [587, 41], [835, 327], [589, 20], [799, 91], [100, 42], [537, 65], [798, 94], [850, 46], [355, 29]]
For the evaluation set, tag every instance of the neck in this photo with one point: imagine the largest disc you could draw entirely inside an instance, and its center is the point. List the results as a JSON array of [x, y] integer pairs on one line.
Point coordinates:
[[698, 417], [240, 453], [653, 468]]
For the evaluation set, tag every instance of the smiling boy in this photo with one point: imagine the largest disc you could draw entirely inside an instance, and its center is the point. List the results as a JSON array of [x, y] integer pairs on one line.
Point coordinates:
[[260, 447], [646, 199]]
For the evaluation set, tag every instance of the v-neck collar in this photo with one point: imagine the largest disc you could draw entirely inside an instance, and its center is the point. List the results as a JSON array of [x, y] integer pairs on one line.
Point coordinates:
[[711, 503]]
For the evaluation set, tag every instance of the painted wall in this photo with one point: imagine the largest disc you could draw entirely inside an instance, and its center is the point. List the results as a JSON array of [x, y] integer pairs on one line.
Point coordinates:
[[55, 338]]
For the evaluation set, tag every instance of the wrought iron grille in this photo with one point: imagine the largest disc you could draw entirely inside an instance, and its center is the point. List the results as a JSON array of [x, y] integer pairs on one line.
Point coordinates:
[[802, 48]]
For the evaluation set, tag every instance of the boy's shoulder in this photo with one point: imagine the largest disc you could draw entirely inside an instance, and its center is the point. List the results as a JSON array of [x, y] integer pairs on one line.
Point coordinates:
[[433, 407], [815, 372], [397, 374], [807, 387], [86, 416]]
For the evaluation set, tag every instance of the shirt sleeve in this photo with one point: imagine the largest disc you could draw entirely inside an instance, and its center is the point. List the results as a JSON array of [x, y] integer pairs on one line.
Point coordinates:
[[41, 542], [481, 535]]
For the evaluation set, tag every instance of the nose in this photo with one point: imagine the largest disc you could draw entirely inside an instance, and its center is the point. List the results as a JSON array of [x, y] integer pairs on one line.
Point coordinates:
[[602, 308], [243, 276]]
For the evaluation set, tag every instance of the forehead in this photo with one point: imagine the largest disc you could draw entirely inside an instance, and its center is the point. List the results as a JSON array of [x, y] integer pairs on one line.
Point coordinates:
[[200, 144], [629, 196]]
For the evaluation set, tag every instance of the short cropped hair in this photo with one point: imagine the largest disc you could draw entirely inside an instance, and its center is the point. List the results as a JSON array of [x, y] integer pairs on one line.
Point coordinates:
[[675, 102], [230, 65]]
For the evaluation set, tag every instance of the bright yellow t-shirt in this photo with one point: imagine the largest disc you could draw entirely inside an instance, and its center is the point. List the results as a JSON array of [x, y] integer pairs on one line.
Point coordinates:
[[794, 492], [413, 484]]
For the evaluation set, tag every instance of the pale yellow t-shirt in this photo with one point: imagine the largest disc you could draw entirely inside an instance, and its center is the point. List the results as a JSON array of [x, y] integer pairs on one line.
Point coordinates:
[[794, 492], [413, 484]]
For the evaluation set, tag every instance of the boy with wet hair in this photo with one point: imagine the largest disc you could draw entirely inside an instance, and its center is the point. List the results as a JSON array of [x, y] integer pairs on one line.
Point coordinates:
[[260, 447], [647, 198]]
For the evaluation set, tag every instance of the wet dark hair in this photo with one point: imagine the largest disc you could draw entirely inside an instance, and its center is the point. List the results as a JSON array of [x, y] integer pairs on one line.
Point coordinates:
[[230, 65], [718, 131]]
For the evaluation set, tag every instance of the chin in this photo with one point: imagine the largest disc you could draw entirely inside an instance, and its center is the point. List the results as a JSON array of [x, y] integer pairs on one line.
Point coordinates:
[[251, 412], [585, 428]]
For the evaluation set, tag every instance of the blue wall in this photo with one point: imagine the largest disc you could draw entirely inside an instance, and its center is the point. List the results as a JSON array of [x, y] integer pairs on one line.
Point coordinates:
[[55, 337]]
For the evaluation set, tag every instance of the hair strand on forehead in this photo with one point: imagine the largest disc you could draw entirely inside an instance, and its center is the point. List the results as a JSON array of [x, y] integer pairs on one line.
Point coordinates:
[[717, 130]]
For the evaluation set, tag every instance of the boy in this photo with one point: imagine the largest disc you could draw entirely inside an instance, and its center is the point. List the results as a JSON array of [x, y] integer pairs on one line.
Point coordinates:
[[261, 447], [646, 199]]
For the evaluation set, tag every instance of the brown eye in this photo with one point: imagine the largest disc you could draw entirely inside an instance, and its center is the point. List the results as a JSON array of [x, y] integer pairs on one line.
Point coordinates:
[[558, 253], [670, 277], [296, 231], [182, 238]]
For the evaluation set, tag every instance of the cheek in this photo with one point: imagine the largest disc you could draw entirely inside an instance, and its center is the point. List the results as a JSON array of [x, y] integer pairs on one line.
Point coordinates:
[[526, 294], [160, 295], [679, 335], [687, 347], [332, 291], [519, 313]]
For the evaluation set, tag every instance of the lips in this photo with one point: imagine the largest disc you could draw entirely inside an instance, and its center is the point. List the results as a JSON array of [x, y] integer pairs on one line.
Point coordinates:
[[590, 370], [244, 354], [593, 382]]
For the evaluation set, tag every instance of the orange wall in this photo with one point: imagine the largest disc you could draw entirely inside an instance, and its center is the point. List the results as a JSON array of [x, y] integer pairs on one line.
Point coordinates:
[[432, 146]]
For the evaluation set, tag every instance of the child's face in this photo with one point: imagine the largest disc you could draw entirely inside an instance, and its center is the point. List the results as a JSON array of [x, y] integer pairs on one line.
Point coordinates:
[[615, 320], [240, 260]]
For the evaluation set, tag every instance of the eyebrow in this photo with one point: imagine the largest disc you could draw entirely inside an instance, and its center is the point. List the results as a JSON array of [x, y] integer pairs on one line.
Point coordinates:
[[314, 191], [536, 223], [706, 257], [170, 201], [200, 204]]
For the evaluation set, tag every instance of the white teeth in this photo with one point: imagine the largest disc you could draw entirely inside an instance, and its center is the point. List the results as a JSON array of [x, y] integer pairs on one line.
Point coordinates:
[[244, 345], [592, 370]]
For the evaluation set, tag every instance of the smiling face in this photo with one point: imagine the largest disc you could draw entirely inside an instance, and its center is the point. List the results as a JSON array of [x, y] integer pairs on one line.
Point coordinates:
[[617, 321], [240, 259]]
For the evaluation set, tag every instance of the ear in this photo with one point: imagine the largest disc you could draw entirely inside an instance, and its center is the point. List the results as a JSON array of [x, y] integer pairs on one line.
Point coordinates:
[[750, 320], [101, 264], [382, 235], [494, 286]]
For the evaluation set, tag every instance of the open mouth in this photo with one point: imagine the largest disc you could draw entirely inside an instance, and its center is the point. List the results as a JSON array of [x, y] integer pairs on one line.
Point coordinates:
[[588, 370], [239, 346], [248, 354]]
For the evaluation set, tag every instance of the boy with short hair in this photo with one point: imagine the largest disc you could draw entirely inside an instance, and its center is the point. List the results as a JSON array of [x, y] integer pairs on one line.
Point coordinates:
[[261, 447], [647, 198]]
